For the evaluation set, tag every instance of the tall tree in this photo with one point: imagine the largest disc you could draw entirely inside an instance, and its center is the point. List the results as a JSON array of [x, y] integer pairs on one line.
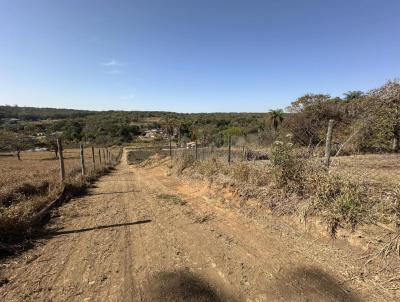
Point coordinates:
[[276, 118], [382, 110], [15, 142]]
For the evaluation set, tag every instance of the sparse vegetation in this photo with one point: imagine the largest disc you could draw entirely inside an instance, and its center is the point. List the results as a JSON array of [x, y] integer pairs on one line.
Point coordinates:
[[28, 185], [289, 181], [172, 198]]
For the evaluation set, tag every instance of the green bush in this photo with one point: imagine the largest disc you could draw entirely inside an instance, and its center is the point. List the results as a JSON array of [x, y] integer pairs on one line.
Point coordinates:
[[287, 169]]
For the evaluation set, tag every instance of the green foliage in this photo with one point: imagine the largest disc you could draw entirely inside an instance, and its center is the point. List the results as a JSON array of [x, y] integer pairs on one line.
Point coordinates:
[[353, 95], [276, 118], [287, 169], [375, 115], [234, 131]]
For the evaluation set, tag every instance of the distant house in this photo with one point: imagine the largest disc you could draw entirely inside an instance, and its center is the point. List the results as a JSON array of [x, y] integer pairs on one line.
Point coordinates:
[[153, 133], [41, 137], [191, 145]]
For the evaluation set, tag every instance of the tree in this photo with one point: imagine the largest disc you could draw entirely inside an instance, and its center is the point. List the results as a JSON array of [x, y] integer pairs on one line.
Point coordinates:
[[73, 131], [234, 131], [353, 95], [310, 116], [51, 144], [276, 118], [307, 101], [382, 111], [15, 142]]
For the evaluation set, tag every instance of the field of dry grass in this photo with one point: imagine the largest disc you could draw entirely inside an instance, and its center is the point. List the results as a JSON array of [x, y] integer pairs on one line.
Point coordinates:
[[28, 184], [37, 168], [381, 169]]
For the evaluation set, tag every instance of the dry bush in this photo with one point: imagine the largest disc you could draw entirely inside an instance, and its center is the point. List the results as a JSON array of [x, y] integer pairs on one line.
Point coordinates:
[[288, 170], [249, 173], [182, 162], [289, 183]]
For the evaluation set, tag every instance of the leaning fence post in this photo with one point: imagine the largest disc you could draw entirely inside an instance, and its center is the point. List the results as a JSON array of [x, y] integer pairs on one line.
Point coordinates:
[[93, 159], [82, 161], [229, 149], [99, 157], [61, 159], [328, 144]]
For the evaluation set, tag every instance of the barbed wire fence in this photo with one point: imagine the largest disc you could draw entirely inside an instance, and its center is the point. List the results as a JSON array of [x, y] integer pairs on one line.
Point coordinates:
[[236, 148]]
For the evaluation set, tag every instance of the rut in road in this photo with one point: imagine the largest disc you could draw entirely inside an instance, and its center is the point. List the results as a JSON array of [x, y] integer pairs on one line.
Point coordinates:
[[139, 236]]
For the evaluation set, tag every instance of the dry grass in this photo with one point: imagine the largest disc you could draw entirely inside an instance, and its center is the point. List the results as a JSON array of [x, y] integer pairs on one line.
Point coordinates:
[[382, 169], [357, 189], [28, 185], [36, 170]]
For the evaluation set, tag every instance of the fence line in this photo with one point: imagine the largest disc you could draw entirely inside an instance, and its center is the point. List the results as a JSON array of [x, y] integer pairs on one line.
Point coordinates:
[[82, 156], [106, 158], [61, 159]]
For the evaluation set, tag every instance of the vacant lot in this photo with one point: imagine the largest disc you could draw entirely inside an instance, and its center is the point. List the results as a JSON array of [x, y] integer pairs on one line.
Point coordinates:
[[28, 184], [375, 168], [37, 169]]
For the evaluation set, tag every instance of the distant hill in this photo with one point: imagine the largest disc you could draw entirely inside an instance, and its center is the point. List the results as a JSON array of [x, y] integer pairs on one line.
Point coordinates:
[[33, 113]]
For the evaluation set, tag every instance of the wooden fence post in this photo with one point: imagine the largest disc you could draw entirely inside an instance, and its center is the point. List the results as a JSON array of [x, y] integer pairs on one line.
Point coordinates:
[[61, 159], [93, 159], [229, 149], [82, 161], [100, 157], [170, 145], [195, 149], [104, 157], [203, 146], [328, 144]]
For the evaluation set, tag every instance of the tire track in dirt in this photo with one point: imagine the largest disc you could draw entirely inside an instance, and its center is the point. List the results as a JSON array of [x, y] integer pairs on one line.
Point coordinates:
[[126, 242], [296, 273]]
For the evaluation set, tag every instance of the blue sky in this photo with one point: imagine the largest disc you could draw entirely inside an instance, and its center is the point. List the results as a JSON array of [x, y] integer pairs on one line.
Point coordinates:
[[193, 56]]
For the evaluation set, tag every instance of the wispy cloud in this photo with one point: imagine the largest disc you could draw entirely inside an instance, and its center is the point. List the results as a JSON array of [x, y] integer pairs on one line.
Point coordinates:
[[112, 62], [114, 66]]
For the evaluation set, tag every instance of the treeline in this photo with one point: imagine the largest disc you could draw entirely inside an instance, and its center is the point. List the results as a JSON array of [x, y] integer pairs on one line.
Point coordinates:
[[363, 122], [34, 114]]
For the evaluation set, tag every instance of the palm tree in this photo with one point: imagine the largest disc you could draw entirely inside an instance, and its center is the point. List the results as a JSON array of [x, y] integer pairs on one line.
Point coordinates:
[[276, 118], [353, 95]]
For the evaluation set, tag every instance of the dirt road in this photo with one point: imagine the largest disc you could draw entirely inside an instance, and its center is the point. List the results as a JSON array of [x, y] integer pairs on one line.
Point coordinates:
[[141, 235]]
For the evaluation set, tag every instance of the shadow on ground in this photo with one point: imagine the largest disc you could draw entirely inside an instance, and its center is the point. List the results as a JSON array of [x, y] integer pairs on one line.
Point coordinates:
[[112, 193], [52, 233], [311, 284], [184, 285]]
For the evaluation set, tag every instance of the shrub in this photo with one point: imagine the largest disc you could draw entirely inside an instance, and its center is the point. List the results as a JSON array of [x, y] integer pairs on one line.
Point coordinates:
[[182, 162], [287, 169]]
